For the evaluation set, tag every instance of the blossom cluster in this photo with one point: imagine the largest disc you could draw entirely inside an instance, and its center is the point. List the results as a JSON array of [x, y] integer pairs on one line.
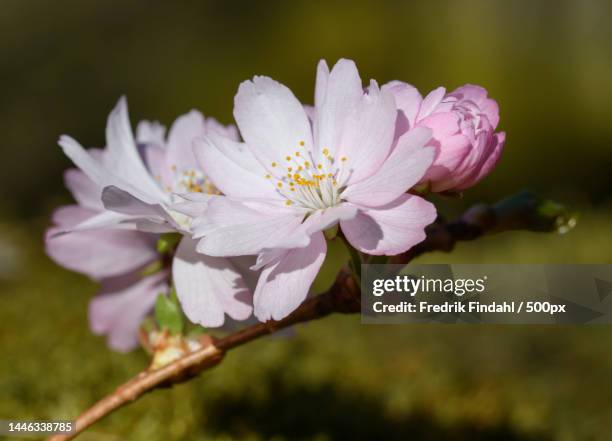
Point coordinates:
[[252, 202]]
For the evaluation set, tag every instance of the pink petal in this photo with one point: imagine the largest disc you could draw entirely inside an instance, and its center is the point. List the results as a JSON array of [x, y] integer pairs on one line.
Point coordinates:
[[391, 229], [490, 162], [478, 95], [442, 124], [209, 287], [121, 306], [271, 120], [401, 171], [283, 286], [407, 99], [100, 253], [431, 101], [84, 190]]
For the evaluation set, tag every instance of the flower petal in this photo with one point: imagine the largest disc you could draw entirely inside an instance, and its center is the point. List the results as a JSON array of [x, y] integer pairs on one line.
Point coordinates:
[[391, 229], [407, 99], [431, 101], [232, 168], [337, 94], [478, 95], [368, 135], [100, 253], [150, 132], [232, 228], [401, 171], [121, 306], [283, 286], [122, 156], [490, 161], [179, 147], [271, 120], [84, 190], [209, 287]]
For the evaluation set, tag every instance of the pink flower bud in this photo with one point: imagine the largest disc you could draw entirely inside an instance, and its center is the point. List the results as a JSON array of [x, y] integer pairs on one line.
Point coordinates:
[[463, 124]]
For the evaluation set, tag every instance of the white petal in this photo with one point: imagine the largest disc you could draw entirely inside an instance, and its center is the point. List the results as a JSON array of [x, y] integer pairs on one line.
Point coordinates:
[[209, 287], [283, 286], [98, 253], [368, 136], [337, 94], [271, 120], [121, 306], [391, 229], [85, 191], [232, 168], [151, 132], [401, 171], [122, 156], [232, 228], [184, 130]]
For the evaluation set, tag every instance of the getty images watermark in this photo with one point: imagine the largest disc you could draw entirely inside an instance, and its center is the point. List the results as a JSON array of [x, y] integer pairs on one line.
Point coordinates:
[[513, 294]]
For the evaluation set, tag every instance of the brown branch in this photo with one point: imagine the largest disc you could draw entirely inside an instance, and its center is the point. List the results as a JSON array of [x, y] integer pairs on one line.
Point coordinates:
[[521, 212]]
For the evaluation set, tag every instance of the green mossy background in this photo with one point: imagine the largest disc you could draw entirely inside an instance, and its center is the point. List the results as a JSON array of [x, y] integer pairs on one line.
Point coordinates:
[[64, 64]]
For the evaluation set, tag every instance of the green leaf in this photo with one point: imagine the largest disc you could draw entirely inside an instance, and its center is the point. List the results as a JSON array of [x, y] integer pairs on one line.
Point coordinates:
[[336, 258], [168, 314]]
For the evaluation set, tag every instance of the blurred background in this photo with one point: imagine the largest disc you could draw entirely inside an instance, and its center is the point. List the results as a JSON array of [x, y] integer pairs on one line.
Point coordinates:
[[548, 64]]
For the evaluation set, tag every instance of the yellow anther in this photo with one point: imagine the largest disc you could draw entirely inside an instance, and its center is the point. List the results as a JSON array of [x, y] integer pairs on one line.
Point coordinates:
[[325, 151], [292, 189], [288, 158], [173, 167], [296, 176], [330, 175], [297, 153], [274, 164], [307, 164], [320, 166], [268, 176], [344, 158], [302, 143], [289, 175], [288, 202], [300, 168], [280, 185], [291, 184], [289, 168]]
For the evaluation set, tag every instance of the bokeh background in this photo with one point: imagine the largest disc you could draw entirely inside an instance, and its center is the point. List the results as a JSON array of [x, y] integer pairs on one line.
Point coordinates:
[[64, 64]]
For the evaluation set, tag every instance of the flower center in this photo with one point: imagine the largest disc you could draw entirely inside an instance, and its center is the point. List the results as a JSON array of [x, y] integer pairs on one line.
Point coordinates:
[[307, 182], [189, 181]]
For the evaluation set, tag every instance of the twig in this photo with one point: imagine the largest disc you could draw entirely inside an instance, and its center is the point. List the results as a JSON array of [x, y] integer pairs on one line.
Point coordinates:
[[521, 212]]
